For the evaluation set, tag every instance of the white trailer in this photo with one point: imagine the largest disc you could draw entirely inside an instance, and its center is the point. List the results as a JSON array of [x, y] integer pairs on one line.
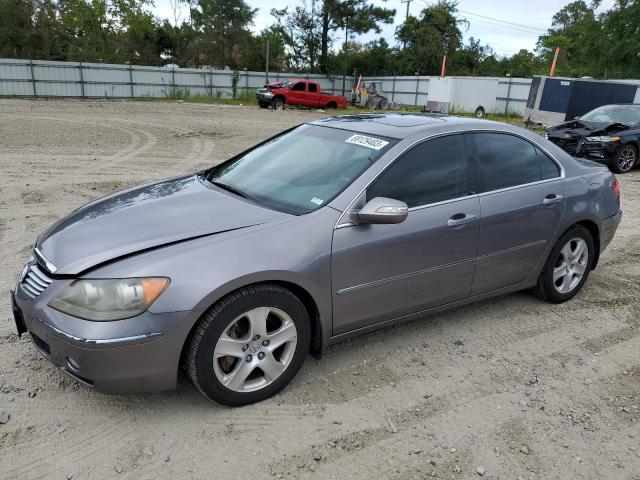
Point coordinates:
[[480, 95]]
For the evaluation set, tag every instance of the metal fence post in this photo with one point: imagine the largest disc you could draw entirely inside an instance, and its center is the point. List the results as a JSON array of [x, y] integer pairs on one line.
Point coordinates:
[[81, 80], [506, 102], [246, 83], [131, 79], [33, 79], [415, 102], [173, 80], [393, 87]]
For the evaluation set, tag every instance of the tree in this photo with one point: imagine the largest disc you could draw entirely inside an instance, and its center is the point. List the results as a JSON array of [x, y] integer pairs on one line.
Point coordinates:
[[300, 31], [224, 25], [427, 38], [358, 16]]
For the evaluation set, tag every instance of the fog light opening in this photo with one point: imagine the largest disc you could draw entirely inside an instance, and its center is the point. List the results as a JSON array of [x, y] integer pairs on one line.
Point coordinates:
[[73, 364]]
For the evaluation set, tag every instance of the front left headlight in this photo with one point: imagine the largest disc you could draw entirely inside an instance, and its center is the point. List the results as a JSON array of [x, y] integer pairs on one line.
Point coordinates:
[[109, 299], [603, 139]]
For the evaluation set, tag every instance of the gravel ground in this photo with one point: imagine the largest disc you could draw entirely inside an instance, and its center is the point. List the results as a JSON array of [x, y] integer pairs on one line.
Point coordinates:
[[509, 388]]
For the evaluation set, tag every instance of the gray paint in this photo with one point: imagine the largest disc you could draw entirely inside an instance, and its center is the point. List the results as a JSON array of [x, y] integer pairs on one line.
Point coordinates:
[[360, 277]]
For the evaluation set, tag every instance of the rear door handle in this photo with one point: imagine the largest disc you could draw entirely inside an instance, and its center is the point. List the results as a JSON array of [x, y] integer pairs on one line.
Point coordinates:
[[460, 220], [551, 199]]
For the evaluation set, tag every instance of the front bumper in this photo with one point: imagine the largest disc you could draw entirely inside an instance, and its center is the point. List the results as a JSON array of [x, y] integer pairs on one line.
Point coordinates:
[[264, 96], [139, 354], [598, 151]]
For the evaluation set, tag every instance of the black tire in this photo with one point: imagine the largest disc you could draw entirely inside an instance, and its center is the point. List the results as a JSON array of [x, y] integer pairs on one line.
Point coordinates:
[[216, 320], [625, 159], [384, 104], [331, 106], [278, 103], [546, 288], [479, 113]]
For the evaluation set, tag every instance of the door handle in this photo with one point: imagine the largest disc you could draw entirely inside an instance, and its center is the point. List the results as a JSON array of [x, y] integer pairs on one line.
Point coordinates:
[[551, 199], [460, 220]]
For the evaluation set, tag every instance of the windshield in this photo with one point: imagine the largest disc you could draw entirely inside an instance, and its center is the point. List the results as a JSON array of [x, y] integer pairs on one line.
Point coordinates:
[[301, 170], [627, 114]]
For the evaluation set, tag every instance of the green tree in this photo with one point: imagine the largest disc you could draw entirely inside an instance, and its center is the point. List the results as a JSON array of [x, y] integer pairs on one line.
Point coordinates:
[[434, 33], [224, 27]]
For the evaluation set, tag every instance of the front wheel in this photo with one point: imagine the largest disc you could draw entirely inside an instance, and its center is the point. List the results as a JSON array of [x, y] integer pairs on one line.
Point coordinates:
[[624, 159], [567, 267], [249, 345], [278, 104]]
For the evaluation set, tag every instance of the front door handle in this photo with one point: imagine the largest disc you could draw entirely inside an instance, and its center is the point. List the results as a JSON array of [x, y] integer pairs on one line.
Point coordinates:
[[460, 220], [551, 199]]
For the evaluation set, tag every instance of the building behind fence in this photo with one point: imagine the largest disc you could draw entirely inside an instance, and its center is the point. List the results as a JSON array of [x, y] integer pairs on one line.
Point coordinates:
[[39, 78]]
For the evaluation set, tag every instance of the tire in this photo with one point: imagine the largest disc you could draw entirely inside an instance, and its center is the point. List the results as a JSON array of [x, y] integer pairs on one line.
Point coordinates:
[[278, 104], [479, 113], [238, 379], [560, 279], [624, 159], [331, 106], [384, 104]]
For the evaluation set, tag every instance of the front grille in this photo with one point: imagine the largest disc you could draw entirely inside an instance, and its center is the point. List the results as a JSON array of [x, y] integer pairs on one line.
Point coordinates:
[[41, 345], [35, 281], [569, 146]]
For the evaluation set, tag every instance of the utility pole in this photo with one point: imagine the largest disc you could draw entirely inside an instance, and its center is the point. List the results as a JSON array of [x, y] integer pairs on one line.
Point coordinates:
[[267, 64], [344, 71], [408, 2]]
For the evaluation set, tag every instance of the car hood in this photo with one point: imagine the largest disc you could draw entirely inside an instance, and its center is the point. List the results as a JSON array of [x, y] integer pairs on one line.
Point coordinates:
[[582, 128], [146, 217]]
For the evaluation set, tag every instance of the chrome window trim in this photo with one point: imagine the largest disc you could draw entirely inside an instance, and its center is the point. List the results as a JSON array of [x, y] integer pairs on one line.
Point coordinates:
[[347, 210]]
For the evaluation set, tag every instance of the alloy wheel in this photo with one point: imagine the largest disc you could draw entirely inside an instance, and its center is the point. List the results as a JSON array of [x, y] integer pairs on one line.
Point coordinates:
[[571, 265], [255, 349], [626, 159]]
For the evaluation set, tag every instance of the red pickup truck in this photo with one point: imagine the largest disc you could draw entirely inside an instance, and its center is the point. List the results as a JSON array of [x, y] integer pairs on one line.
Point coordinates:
[[293, 91]]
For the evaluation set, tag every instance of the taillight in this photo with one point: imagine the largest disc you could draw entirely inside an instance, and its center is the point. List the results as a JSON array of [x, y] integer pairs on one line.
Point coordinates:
[[616, 187]]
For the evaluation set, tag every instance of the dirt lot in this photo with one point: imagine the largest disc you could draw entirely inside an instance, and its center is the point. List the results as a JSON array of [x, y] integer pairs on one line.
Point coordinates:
[[512, 386]]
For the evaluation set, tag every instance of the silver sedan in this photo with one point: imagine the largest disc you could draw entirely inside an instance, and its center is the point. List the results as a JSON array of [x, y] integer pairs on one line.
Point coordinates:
[[328, 230]]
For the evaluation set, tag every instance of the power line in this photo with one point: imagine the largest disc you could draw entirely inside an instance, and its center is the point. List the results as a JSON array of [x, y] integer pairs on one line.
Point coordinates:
[[503, 21]]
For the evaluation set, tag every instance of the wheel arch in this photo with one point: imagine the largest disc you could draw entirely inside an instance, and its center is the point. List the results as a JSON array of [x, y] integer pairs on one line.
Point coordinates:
[[307, 299], [595, 233]]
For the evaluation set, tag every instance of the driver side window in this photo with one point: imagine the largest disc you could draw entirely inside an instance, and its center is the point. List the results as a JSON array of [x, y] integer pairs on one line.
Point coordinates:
[[298, 87], [433, 171]]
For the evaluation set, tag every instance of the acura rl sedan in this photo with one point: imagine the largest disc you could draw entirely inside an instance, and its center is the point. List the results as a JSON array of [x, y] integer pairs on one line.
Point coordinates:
[[325, 231]]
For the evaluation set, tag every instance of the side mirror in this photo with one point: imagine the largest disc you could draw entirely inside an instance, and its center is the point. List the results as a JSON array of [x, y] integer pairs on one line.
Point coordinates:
[[380, 210]]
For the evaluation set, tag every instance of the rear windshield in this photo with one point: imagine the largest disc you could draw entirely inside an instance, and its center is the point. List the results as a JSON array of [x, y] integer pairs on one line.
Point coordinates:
[[301, 170]]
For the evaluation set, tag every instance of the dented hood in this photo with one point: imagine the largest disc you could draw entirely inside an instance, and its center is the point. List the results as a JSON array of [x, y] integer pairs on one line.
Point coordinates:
[[146, 217]]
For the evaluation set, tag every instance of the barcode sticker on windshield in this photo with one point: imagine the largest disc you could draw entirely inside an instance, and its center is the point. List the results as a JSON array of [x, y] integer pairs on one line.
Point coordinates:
[[369, 142]]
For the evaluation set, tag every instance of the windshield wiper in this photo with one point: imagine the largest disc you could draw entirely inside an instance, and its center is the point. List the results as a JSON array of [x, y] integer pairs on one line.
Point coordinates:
[[231, 189]]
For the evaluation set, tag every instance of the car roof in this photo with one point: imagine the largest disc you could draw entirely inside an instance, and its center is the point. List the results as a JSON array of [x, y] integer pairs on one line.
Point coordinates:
[[403, 125]]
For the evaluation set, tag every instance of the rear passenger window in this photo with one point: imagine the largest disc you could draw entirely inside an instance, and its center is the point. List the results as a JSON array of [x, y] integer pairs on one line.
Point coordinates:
[[313, 87], [430, 172], [548, 168], [508, 161]]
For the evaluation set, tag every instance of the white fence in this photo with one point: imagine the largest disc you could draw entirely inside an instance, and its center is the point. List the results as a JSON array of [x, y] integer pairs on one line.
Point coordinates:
[[40, 78]]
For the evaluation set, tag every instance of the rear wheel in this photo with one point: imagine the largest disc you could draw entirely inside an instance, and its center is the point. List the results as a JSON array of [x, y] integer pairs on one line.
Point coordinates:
[[567, 266], [624, 159], [249, 345]]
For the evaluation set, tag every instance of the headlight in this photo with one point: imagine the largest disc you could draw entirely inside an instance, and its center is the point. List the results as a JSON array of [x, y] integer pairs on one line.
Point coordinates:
[[546, 135], [104, 300], [603, 139]]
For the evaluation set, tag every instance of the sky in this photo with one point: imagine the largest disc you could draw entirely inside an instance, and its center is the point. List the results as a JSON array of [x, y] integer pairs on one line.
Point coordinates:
[[506, 25]]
